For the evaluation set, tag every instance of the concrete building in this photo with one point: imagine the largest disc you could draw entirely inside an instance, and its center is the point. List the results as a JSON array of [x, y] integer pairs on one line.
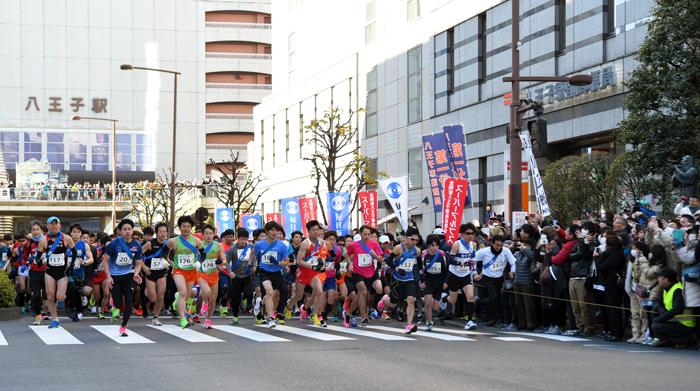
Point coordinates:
[[61, 58]]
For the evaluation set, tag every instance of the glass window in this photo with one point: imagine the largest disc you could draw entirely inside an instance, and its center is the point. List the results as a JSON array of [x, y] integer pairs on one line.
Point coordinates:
[[372, 169], [414, 111], [124, 152], [415, 168], [414, 60], [412, 9], [100, 153], [370, 22], [414, 87], [55, 152], [32, 145], [144, 152], [9, 142], [77, 152]]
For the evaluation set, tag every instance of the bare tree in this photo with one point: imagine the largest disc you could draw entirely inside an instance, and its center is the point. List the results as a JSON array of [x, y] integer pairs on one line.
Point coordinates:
[[238, 187], [161, 195], [336, 160], [144, 207]]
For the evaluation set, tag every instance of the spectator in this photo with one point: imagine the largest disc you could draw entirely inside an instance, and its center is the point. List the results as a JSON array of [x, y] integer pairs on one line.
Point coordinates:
[[580, 262], [687, 206], [690, 258], [673, 325], [610, 264], [644, 288], [524, 284]]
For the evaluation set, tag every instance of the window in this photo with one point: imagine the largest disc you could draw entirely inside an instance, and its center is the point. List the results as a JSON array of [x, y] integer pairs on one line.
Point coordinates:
[[32, 145], [444, 68], [144, 152], [371, 116], [371, 174], [482, 47], [123, 152], [55, 152], [559, 27], [370, 22], [610, 17], [291, 53], [9, 142], [415, 168], [274, 122], [286, 136], [412, 9], [100, 153], [262, 143], [414, 85], [301, 132]]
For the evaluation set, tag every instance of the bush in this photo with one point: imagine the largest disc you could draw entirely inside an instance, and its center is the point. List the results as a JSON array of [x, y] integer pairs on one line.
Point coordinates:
[[7, 291]]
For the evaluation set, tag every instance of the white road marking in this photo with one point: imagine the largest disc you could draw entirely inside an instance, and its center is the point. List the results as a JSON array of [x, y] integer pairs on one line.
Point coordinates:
[[112, 332], [561, 338], [186, 334], [249, 334], [57, 336], [427, 334], [3, 341], [369, 334], [310, 334], [513, 339]]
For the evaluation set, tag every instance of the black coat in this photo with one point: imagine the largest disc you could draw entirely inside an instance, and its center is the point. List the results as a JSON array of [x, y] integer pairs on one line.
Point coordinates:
[[610, 265]]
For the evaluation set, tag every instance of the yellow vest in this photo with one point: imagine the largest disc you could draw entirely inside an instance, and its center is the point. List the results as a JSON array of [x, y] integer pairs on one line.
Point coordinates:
[[684, 319]]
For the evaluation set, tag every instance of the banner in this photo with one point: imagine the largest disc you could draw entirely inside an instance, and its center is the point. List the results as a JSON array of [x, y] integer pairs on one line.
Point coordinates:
[[291, 217], [519, 219], [223, 219], [273, 217], [396, 190], [307, 208], [339, 212], [536, 178], [453, 207], [251, 223], [368, 205], [439, 168], [454, 135]]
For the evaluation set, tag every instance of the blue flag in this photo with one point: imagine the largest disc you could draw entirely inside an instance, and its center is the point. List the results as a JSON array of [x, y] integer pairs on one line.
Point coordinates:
[[251, 223], [291, 216], [224, 219], [339, 212]]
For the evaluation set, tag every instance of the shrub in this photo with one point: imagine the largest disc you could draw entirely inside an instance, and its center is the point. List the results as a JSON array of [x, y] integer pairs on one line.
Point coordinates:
[[7, 291]]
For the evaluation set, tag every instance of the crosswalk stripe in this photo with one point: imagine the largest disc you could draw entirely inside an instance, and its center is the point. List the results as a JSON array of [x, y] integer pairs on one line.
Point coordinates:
[[310, 334], [443, 337], [561, 338], [57, 336], [112, 332], [513, 339], [186, 334], [249, 334], [3, 341], [369, 334], [461, 332]]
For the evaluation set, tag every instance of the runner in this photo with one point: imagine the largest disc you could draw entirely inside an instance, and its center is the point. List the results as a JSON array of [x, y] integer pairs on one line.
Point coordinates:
[[297, 238], [54, 245], [227, 240], [330, 287], [460, 271], [21, 270], [433, 273], [258, 235], [273, 257], [156, 268], [212, 261], [241, 271], [185, 251], [100, 287], [364, 273], [76, 277], [403, 260], [36, 269], [123, 264]]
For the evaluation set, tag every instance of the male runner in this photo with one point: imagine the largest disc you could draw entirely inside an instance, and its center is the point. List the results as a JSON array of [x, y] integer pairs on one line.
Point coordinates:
[[37, 269], [156, 268], [100, 287], [433, 273], [185, 253], [208, 274], [310, 272], [363, 253], [76, 279], [123, 264], [330, 287], [241, 272], [273, 257], [460, 270], [227, 241], [54, 247]]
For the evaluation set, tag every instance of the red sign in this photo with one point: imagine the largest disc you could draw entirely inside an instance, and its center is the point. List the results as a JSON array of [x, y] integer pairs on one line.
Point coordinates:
[[307, 209], [454, 194], [507, 98], [368, 205], [273, 217], [240, 219]]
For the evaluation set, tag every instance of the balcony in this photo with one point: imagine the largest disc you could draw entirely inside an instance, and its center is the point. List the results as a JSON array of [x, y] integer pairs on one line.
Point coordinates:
[[228, 31], [222, 152], [242, 62], [228, 122], [237, 92]]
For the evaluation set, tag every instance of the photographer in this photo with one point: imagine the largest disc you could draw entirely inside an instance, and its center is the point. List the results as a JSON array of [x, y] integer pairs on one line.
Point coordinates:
[[690, 258], [580, 265], [643, 290]]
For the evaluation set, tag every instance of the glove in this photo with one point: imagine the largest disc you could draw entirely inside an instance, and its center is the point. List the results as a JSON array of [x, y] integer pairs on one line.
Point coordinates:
[[317, 267], [219, 262]]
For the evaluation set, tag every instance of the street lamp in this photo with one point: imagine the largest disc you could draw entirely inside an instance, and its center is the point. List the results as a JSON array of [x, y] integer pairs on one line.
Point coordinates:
[[114, 161], [129, 67], [516, 111]]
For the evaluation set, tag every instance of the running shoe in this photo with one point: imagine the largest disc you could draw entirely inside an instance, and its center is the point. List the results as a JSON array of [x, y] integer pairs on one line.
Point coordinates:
[[280, 319], [223, 311], [195, 319], [37, 320], [139, 312], [323, 322], [353, 322], [122, 331], [471, 325], [316, 320], [54, 324], [258, 321], [74, 317], [364, 322], [287, 313], [429, 326], [381, 305], [335, 318], [443, 301], [572, 333], [234, 320], [346, 319], [386, 316], [207, 324], [303, 313], [256, 308], [80, 316], [45, 316], [271, 323], [115, 315], [100, 315], [410, 328], [374, 314], [205, 308], [93, 310], [184, 323], [156, 322], [60, 304]]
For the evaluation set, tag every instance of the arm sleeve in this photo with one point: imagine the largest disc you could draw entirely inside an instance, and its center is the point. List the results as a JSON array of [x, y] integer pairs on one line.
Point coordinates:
[[451, 259], [390, 259], [562, 255], [479, 261]]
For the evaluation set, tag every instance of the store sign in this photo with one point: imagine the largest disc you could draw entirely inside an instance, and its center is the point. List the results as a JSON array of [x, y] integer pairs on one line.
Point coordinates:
[[557, 92]]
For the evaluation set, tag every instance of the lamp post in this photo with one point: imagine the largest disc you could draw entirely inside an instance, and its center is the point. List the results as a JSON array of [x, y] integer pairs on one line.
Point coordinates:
[[516, 111], [114, 160], [128, 67]]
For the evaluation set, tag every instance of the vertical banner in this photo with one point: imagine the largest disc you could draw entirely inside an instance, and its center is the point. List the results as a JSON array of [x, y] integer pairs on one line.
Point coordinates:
[[536, 178], [251, 223], [273, 217], [453, 207], [224, 219], [339, 212], [439, 167], [291, 218], [454, 135], [396, 190], [368, 204], [307, 208]]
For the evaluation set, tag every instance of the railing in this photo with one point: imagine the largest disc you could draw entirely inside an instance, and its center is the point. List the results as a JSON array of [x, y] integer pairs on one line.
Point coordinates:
[[234, 25], [229, 116], [240, 86], [101, 194], [238, 56], [226, 147]]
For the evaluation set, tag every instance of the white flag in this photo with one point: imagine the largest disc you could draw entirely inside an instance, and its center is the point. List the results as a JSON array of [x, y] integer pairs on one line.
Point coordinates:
[[539, 187], [396, 190]]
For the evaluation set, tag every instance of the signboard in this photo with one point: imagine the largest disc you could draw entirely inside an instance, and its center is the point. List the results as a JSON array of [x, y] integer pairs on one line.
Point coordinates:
[[251, 223], [453, 207], [519, 219], [339, 212], [396, 191], [368, 205], [291, 216], [536, 178], [307, 208], [273, 217], [454, 136], [437, 158]]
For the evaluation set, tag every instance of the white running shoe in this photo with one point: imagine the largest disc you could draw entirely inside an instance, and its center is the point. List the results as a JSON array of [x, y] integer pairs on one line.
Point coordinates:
[[471, 325], [156, 322], [443, 302], [271, 323], [80, 316], [93, 310], [256, 308]]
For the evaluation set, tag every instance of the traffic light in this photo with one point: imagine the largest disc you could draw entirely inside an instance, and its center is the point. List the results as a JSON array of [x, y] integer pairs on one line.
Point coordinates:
[[538, 134]]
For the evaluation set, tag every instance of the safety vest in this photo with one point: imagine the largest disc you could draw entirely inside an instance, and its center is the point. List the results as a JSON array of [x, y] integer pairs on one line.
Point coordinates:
[[683, 319]]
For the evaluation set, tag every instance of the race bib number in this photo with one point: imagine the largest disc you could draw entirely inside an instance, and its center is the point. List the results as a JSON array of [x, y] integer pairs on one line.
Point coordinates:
[[436, 268], [56, 260], [4, 257], [78, 263], [463, 268], [157, 264], [364, 260], [209, 265], [313, 261], [186, 260], [123, 260], [408, 264], [343, 267], [24, 271], [329, 265], [101, 267], [497, 266], [267, 258]]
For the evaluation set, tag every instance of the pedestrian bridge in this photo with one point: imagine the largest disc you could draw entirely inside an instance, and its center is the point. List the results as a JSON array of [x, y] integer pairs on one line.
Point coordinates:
[[45, 208]]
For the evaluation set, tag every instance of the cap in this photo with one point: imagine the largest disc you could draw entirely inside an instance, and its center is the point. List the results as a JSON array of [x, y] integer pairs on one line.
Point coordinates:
[[384, 239], [356, 238], [227, 232], [52, 219], [438, 231]]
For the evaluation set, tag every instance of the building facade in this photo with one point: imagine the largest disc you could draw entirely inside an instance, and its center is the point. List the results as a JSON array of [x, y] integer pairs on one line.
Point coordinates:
[[62, 58], [454, 76]]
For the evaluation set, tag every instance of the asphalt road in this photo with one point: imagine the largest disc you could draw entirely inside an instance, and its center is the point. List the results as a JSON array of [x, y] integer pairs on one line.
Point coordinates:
[[262, 359]]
